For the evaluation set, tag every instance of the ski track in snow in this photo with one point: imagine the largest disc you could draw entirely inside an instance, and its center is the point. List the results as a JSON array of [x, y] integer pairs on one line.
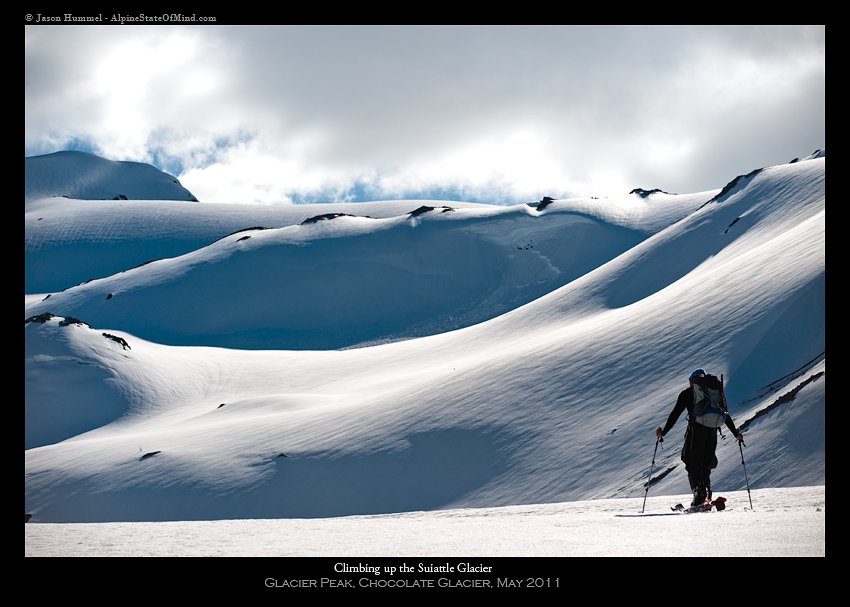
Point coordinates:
[[783, 522]]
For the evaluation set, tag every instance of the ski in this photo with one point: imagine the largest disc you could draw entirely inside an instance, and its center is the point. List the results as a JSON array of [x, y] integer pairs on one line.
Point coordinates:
[[708, 506]]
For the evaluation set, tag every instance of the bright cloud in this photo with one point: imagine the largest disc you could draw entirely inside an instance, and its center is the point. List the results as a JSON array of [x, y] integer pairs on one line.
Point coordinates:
[[280, 114]]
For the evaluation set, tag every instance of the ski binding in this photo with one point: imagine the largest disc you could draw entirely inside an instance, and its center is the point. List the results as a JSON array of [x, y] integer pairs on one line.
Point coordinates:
[[718, 504]]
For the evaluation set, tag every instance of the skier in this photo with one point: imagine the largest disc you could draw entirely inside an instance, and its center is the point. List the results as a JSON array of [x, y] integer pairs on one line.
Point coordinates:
[[700, 443]]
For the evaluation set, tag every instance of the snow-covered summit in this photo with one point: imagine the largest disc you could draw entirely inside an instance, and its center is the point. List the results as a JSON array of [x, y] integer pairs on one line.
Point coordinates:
[[80, 175]]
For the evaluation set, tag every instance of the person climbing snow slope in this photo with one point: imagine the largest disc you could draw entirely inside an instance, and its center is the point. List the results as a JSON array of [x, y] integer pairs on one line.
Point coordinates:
[[706, 405]]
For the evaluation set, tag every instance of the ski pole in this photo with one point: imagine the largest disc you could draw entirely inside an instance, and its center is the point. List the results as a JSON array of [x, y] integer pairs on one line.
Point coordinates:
[[741, 448], [658, 440]]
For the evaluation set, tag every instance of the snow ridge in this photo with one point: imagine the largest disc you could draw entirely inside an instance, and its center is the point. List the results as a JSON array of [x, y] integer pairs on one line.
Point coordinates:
[[509, 338]]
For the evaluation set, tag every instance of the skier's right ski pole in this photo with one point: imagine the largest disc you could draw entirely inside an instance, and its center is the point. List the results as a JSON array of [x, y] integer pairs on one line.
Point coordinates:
[[741, 448], [658, 440]]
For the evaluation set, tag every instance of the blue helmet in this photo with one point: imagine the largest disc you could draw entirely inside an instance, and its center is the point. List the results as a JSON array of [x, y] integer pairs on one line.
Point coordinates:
[[696, 373]]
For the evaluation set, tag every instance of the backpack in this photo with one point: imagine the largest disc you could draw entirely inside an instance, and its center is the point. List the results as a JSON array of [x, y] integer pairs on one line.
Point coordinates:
[[709, 401]]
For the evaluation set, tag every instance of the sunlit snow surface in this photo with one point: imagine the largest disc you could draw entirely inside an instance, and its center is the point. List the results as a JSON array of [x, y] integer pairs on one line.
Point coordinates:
[[422, 371], [783, 522]]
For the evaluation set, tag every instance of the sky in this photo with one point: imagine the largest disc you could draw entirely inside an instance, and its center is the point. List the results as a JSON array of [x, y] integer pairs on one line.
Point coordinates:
[[495, 114]]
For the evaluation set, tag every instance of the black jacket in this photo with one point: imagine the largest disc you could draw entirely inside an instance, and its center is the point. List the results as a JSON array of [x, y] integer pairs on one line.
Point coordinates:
[[686, 401]]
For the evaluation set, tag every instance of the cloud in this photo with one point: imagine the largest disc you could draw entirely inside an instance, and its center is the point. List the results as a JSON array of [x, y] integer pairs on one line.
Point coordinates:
[[283, 114]]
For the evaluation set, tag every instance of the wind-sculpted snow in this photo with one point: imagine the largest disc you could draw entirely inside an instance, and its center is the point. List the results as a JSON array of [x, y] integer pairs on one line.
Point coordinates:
[[348, 280], [72, 241], [551, 394]]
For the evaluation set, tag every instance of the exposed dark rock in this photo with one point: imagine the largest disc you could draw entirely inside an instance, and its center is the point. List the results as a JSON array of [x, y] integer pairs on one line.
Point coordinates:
[[644, 193], [120, 340], [327, 216], [543, 203], [42, 318], [426, 209], [144, 263], [147, 455], [251, 229], [785, 398], [815, 154], [731, 224], [729, 186], [247, 230], [70, 320], [65, 322], [652, 481]]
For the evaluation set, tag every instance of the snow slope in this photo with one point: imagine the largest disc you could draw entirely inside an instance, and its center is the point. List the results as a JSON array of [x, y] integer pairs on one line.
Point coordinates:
[[362, 273], [105, 237], [73, 174], [342, 280], [552, 401], [784, 522]]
